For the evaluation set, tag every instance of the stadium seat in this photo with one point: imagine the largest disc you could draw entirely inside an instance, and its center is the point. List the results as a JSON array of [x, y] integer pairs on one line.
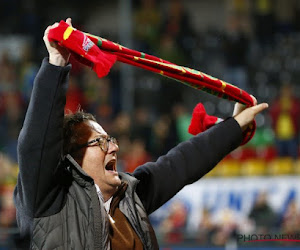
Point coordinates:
[[227, 168], [297, 166], [212, 173], [281, 166], [253, 167]]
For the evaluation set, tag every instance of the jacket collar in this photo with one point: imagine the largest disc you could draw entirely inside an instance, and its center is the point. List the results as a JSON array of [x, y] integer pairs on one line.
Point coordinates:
[[81, 177], [132, 181]]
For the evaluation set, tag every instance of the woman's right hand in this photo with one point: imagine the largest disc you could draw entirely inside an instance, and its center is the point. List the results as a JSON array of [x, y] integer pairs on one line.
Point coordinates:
[[58, 55]]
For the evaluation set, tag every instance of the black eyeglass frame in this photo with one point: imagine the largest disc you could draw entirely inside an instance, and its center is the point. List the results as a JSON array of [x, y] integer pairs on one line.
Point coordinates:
[[101, 145]]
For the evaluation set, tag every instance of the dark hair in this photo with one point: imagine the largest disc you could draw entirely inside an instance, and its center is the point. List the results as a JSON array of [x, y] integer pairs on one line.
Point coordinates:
[[76, 131]]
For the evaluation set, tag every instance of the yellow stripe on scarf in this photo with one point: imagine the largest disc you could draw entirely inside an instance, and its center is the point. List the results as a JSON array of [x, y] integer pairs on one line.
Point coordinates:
[[67, 33]]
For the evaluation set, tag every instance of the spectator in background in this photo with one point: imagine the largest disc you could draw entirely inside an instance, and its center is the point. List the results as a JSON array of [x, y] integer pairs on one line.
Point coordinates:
[[141, 127], [122, 125], [8, 210], [262, 215], [7, 216], [136, 156], [147, 19], [8, 170], [169, 50], [163, 136], [173, 227], [177, 40], [98, 97], [264, 21], [27, 72], [10, 106], [8, 80], [285, 115], [182, 121], [206, 228], [75, 98], [235, 47], [285, 15], [296, 15], [226, 227], [11, 122], [291, 219], [176, 25]]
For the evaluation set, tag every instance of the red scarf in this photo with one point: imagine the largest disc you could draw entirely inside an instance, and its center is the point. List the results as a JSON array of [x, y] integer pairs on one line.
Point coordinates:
[[101, 54]]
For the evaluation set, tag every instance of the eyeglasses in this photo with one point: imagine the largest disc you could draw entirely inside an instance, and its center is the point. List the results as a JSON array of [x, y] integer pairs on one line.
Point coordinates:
[[102, 141]]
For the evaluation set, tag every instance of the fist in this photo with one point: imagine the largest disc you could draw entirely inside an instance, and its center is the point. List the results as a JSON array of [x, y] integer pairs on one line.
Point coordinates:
[[58, 55]]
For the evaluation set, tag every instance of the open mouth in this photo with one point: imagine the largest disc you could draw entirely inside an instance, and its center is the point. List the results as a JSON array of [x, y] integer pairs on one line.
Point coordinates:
[[111, 165]]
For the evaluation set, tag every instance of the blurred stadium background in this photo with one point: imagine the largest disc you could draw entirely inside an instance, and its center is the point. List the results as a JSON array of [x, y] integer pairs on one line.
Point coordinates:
[[251, 44]]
